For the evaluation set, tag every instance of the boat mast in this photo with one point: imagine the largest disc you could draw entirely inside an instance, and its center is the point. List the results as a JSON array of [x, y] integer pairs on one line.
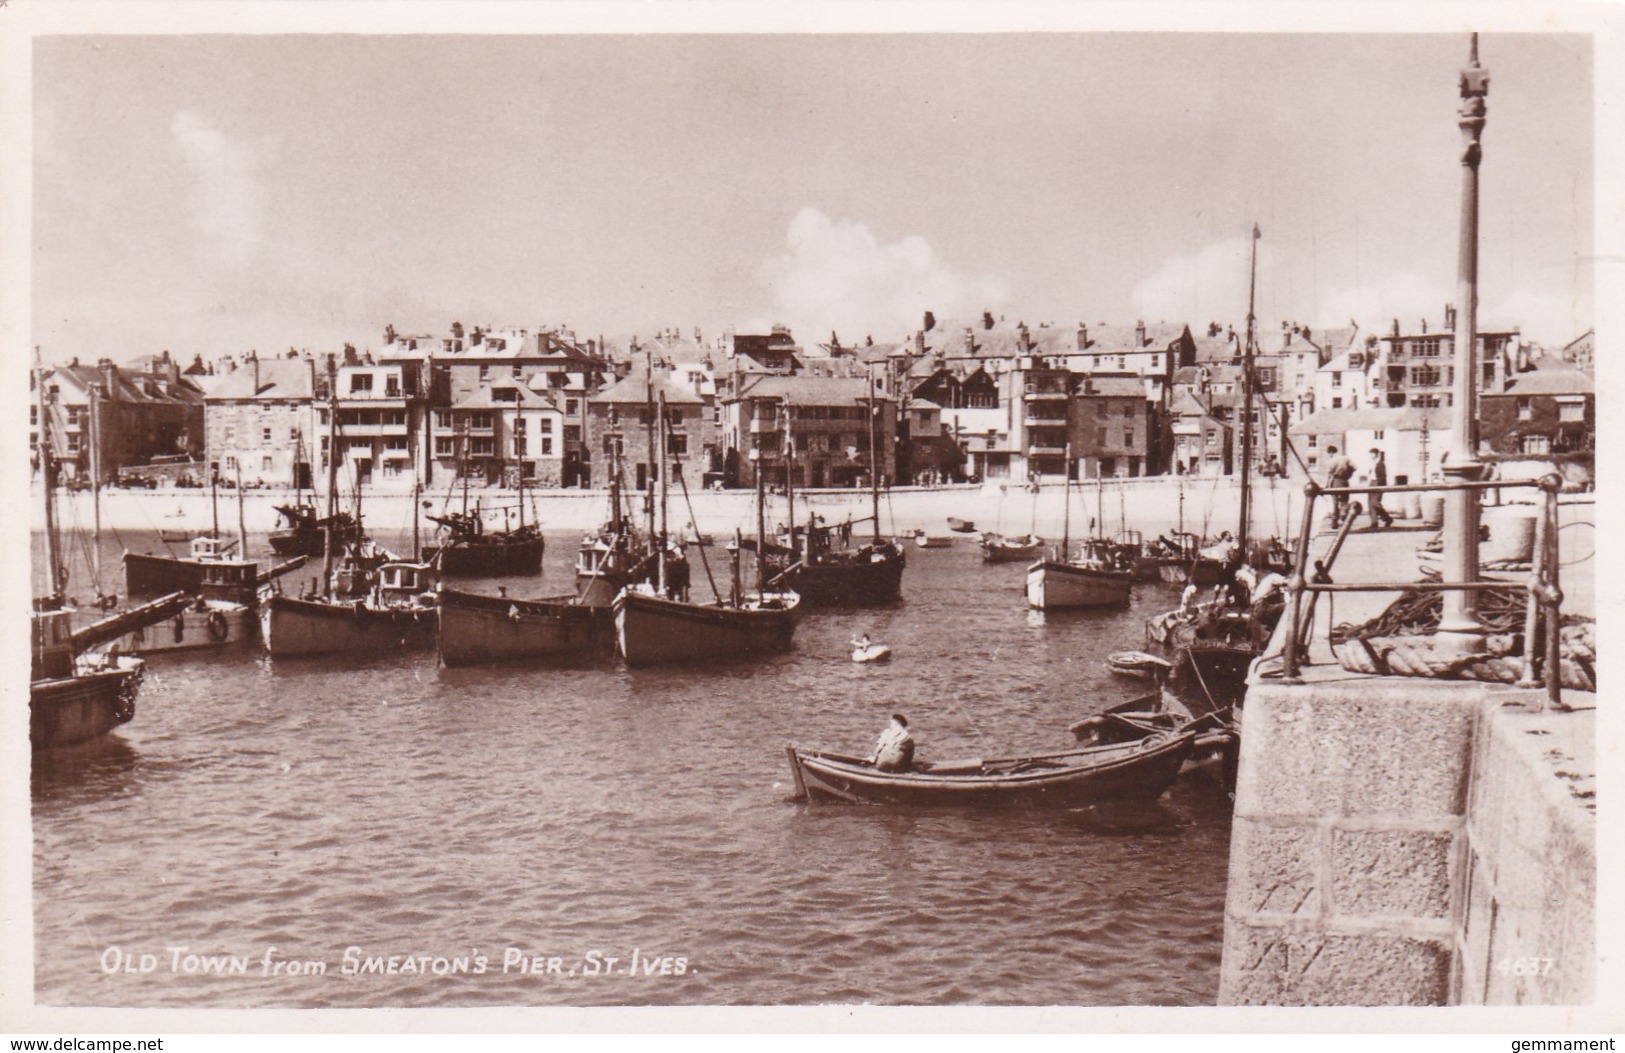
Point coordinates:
[[417, 544], [661, 557], [874, 466], [761, 526], [47, 468], [1066, 505], [790, 473], [1247, 401], [242, 520], [329, 540], [95, 491], [214, 502]]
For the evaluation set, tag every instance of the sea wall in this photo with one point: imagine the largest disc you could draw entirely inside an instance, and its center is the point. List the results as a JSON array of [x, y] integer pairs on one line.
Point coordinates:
[[1410, 842]]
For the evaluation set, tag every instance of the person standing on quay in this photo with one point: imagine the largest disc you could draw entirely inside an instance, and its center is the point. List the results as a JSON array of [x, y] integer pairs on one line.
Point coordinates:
[[1380, 518], [1339, 470]]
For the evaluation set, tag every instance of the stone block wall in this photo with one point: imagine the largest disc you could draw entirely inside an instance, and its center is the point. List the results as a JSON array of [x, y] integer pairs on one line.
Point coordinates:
[[1361, 806]]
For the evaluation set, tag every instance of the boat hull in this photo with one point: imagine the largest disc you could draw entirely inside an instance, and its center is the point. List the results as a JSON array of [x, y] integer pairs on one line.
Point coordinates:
[[490, 560], [76, 709], [651, 630], [999, 550], [1132, 771], [218, 625], [857, 579], [295, 628], [478, 630], [1053, 585]]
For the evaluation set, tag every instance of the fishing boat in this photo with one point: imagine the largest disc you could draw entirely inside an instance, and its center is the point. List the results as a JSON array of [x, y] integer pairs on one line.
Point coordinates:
[[399, 614], [467, 548], [1144, 719], [1128, 771], [818, 561], [1094, 578], [997, 548], [305, 530], [924, 540], [961, 526], [1139, 664], [476, 629], [656, 623], [75, 695], [384, 604]]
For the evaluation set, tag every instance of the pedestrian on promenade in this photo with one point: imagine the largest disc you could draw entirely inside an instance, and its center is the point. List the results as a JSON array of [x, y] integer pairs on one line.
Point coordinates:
[[1339, 470], [1380, 519]]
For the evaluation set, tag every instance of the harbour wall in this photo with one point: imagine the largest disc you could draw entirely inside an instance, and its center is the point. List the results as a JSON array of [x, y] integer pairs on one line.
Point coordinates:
[[1407, 841], [1151, 505]]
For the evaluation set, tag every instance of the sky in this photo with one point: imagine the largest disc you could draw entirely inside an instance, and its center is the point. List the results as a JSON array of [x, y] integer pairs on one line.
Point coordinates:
[[215, 194]]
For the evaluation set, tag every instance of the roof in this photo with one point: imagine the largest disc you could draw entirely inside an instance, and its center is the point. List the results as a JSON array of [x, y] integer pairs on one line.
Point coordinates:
[[1115, 339], [128, 387], [1112, 387], [922, 404], [278, 378], [1558, 380], [811, 391], [1348, 418], [634, 390], [484, 397], [1215, 349], [1186, 404]]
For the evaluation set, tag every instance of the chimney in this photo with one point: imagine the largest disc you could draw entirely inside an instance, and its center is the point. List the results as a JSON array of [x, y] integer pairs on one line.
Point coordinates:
[[1026, 338], [930, 321], [1396, 328], [970, 340], [1083, 336], [1088, 383], [987, 319], [1424, 326], [109, 376], [1139, 334], [1450, 316]]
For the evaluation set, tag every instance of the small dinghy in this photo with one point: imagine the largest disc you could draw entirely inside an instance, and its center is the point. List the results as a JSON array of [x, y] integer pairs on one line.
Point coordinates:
[[961, 526], [1138, 664], [870, 652], [924, 540]]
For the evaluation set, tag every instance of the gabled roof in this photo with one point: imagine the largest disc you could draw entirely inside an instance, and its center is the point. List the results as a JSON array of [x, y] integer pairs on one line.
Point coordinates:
[[634, 389], [130, 388], [1348, 418], [279, 378], [1215, 349], [811, 391], [922, 404], [1558, 380], [1186, 404], [1118, 339]]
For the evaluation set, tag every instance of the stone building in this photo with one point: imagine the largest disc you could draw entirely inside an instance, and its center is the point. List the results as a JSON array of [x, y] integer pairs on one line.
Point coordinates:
[[260, 420]]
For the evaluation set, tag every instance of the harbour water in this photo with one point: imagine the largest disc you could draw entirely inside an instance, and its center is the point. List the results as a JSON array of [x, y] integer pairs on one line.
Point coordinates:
[[401, 823]]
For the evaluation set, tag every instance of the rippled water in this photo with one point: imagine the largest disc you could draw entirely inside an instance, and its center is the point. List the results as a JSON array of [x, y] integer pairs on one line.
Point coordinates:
[[527, 812]]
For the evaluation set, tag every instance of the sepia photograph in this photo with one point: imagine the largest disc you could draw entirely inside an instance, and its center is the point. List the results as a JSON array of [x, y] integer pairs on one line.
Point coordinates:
[[538, 508]]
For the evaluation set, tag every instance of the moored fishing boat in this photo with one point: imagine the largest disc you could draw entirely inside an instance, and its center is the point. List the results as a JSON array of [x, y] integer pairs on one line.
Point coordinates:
[[1128, 771], [477, 629], [1096, 578], [652, 629], [398, 615], [76, 697], [997, 548], [961, 526], [305, 531], [149, 575]]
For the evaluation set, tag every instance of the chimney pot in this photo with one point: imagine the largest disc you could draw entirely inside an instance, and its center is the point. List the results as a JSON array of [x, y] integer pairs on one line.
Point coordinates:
[[987, 319]]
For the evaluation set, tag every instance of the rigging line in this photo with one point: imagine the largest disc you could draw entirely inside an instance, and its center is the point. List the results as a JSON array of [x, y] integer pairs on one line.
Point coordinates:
[[694, 523]]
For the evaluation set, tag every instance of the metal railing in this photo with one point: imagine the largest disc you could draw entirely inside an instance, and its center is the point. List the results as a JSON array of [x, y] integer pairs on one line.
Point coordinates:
[[1545, 596]]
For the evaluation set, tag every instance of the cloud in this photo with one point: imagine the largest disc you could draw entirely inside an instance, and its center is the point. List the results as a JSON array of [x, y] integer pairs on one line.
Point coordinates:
[[227, 196], [1209, 285], [838, 275]]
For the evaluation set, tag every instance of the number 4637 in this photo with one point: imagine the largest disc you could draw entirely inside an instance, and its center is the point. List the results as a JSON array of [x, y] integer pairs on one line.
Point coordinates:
[[1524, 966]]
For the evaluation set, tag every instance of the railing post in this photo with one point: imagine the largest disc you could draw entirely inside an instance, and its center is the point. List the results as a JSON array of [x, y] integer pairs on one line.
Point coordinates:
[[1293, 657], [1554, 595], [1535, 598]]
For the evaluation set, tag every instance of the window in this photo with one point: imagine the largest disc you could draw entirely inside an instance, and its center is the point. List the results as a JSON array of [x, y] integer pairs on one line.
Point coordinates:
[[1313, 441], [1428, 348], [521, 445], [677, 445], [443, 448], [265, 434], [442, 418], [1376, 435], [572, 407], [231, 464], [1526, 408], [392, 386], [1337, 378], [1100, 437], [1571, 411], [516, 372], [1537, 444], [1156, 362], [485, 373], [1128, 436], [265, 464], [1425, 376], [1337, 402], [519, 425], [1213, 438], [572, 433], [547, 445], [360, 382]]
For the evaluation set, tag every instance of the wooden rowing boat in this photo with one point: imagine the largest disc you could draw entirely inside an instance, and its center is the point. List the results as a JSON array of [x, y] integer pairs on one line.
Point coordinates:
[[1136, 770]]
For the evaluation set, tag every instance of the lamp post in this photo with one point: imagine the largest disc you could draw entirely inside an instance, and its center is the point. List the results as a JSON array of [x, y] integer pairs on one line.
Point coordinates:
[[1459, 624]]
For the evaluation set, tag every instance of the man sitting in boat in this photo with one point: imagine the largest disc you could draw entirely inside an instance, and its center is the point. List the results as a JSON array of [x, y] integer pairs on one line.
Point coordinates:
[[895, 750]]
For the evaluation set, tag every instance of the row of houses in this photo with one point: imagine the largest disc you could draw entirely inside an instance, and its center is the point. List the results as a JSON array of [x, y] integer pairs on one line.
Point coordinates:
[[985, 399]]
